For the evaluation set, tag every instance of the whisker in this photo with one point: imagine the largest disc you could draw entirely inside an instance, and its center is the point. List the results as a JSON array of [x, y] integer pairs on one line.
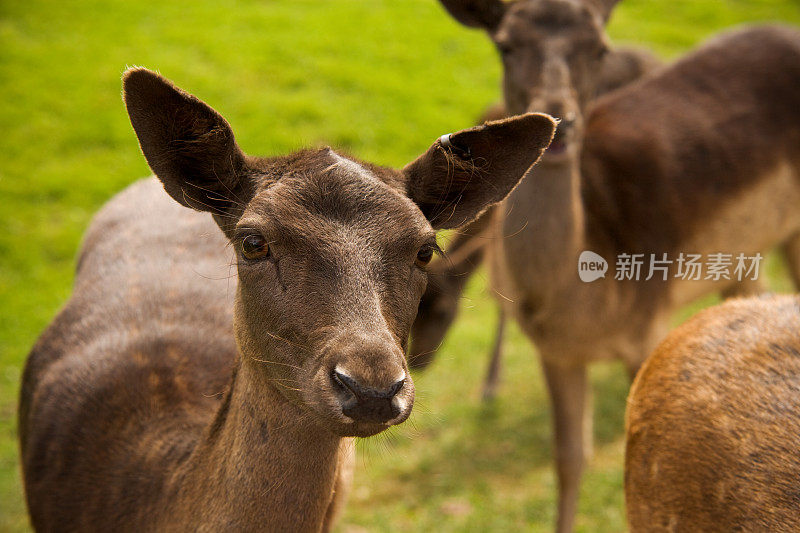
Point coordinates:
[[266, 361]]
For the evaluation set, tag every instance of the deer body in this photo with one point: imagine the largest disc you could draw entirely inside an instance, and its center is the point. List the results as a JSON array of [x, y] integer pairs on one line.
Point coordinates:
[[700, 158], [713, 422], [169, 395]]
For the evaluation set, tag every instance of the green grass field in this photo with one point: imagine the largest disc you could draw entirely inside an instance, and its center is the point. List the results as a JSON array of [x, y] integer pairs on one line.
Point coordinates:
[[379, 78]]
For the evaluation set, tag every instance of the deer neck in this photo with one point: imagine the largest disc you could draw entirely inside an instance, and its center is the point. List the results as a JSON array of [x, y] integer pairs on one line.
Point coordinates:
[[543, 231], [264, 464]]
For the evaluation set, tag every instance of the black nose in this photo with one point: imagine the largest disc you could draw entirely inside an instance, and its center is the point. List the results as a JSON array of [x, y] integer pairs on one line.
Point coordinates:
[[367, 404]]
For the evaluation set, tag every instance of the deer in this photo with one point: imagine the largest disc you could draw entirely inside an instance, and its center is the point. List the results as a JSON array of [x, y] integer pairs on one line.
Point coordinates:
[[168, 396], [604, 72], [713, 420], [698, 157]]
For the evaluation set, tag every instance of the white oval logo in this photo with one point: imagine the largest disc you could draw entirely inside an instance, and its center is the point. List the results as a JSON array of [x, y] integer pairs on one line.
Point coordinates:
[[591, 266]]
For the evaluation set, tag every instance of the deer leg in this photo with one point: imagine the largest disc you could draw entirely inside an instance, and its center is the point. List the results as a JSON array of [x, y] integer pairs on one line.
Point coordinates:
[[341, 487], [572, 417], [493, 373]]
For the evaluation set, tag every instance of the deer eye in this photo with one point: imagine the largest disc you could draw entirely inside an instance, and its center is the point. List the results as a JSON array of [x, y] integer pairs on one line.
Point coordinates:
[[424, 255], [254, 247]]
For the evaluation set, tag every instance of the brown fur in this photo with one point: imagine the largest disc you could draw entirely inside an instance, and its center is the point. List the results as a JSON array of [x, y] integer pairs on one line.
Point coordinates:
[[713, 422], [699, 157], [173, 393]]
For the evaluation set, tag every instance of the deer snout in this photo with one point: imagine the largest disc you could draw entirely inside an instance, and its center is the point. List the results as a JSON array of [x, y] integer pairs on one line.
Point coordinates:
[[365, 403], [566, 132], [564, 129], [364, 378], [568, 121]]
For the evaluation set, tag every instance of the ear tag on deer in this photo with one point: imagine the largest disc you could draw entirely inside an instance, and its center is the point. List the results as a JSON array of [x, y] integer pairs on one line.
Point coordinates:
[[463, 153]]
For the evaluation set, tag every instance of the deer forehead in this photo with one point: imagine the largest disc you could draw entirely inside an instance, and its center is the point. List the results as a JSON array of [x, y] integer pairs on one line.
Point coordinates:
[[332, 201], [556, 17], [349, 166]]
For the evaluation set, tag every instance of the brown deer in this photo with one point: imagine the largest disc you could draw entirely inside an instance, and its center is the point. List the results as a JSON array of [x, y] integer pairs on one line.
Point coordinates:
[[604, 72], [700, 157], [713, 423], [168, 397]]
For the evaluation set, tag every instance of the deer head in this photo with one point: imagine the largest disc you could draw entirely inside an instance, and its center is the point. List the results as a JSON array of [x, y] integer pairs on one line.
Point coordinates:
[[552, 53], [332, 252]]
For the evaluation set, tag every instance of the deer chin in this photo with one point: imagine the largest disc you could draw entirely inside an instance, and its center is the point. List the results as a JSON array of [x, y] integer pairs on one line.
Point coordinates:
[[556, 148], [560, 152]]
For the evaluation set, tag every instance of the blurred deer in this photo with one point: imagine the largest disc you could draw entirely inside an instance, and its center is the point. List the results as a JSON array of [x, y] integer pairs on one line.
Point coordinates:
[[605, 72], [713, 423], [699, 157], [166, 396]]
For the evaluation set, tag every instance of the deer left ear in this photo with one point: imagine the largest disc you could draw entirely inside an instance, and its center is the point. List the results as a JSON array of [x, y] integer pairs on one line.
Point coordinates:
[[485, 14], [464, 173], [189, 146]]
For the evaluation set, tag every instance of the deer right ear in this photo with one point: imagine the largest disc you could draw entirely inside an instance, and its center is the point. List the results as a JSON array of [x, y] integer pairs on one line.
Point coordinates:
[[485, 14], [464, 173], [188, 145]]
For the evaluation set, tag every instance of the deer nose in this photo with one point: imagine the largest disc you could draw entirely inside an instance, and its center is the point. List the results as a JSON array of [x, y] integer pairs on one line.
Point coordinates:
[[564, 127], [568, 120], [365, 403]]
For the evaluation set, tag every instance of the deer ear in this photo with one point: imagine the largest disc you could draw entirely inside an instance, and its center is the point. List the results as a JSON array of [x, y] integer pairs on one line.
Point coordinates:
[[464, 173], [188, 145], [485, 14]]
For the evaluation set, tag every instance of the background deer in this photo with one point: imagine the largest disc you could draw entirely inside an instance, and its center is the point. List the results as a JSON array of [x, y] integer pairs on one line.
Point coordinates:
[[713, 423], [700, 157], [166, 396], [604, 72]]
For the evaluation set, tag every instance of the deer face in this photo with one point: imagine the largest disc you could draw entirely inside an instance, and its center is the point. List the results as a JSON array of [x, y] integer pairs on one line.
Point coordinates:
[[326, 304], [552, 53], [331, 251]]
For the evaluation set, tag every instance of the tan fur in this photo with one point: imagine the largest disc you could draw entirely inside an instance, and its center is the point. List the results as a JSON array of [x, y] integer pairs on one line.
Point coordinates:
[[752, 218], [713, 421], [190, 385]]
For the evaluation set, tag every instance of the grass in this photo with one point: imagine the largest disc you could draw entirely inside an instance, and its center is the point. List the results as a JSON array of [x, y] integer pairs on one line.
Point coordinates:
[[379, 78]]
